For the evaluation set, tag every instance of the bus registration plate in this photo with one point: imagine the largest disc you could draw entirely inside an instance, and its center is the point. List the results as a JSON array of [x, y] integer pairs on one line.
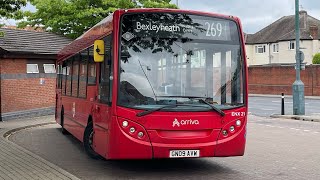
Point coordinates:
[[184, 153]]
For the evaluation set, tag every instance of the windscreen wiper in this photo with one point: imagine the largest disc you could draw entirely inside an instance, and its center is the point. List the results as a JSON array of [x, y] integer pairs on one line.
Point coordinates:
[[143, 113], [213, 107]]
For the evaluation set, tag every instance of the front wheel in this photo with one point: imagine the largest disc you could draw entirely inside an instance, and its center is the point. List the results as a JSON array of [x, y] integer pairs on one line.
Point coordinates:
[[88, 142]]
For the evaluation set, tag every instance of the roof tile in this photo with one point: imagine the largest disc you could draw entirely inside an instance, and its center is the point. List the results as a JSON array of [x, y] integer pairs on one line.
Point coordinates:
[[284, 29], [32, 42]]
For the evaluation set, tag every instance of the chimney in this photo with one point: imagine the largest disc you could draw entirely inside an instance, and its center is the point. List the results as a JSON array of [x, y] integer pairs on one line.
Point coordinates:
[[314, 32], [303, 12]]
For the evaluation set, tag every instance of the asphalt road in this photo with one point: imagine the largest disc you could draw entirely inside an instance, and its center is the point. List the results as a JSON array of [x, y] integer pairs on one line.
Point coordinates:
[[266, 106], [276, 149]]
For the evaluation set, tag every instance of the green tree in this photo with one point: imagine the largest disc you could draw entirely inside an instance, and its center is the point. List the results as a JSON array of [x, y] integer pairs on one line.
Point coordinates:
[[8, 8], [316, 59], [73, 17]]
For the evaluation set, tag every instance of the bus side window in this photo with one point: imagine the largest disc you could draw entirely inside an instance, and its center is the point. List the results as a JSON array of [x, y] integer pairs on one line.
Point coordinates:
[[69, 77], [83, 74], [92, 77], [59, 76], [105, 72], [75, 75], [64, 78]]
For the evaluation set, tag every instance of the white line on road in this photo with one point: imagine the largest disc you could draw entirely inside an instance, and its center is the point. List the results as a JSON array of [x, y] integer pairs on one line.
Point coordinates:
[[265, 109], [270, 126], [280, 102], [296, 129], [284, 102]]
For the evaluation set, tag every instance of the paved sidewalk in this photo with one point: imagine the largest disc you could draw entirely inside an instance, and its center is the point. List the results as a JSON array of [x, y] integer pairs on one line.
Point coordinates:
[[19, 163]]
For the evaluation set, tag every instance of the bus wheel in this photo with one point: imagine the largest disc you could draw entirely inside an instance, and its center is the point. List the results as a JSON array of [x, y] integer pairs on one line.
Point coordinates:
[[88, 142], [63, 130]]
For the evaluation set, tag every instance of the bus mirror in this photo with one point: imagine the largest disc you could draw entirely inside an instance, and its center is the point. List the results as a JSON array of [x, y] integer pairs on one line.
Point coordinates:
[[98, 51]]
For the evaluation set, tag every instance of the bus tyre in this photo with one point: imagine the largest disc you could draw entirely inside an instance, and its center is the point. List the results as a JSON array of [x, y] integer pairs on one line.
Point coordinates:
[[88, 142], [63, 130]]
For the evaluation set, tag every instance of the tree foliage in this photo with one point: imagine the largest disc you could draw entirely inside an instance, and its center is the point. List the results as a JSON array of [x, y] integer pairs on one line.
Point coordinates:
[[8, 8], [73, 17], [316, 59]]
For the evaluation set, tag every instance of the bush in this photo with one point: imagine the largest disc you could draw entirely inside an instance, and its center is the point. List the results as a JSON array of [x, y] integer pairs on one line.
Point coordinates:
[[316, 59]]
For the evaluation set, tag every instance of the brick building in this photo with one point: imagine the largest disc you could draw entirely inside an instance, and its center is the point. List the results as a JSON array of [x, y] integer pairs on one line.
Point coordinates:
[[27, 72]]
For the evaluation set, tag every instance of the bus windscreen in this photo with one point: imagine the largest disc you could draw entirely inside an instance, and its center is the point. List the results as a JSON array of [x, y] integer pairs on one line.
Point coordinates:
[[170, 58]]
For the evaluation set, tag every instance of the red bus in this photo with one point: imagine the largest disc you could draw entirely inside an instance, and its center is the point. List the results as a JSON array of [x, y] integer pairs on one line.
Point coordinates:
[[156, 83]]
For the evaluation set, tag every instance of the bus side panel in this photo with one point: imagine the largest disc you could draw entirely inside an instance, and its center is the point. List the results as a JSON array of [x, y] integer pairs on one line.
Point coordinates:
[[76, 114], [69, 122]]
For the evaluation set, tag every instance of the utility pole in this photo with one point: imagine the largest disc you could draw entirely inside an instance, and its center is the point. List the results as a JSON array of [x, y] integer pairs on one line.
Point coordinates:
[[298, 86], [177, 3]]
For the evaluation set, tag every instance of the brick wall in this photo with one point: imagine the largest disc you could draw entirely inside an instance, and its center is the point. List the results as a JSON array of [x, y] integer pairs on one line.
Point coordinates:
[[21, 91], [278, 79]]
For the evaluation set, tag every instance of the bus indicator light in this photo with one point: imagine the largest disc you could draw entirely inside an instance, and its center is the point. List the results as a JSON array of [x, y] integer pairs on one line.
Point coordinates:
[[238, 123], [125, 123]]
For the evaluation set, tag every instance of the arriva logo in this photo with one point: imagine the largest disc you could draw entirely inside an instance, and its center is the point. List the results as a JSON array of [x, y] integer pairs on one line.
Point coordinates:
[[184, 122]]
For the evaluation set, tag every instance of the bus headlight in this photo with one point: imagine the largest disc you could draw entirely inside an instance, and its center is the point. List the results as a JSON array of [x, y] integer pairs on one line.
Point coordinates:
[[232, 128], [140, 134], [132, 130]]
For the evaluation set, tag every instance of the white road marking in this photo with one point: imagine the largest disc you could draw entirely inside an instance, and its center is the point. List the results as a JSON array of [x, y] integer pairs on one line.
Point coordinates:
[[280, 127], [284, 102], [280, 102], [270, 126], [265, 109]]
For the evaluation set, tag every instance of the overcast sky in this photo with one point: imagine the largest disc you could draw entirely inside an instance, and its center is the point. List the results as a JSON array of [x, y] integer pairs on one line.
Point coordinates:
[[254, 14]]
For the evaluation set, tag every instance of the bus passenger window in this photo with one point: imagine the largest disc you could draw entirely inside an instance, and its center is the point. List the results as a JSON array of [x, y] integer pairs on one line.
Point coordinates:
[[64, 78], [59, 76], [75, 75], [92, 77], [68, 73], [83, 74]]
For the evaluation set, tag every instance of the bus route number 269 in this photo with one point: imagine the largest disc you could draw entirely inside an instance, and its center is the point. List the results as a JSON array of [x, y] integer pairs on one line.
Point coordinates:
[[213, 29]]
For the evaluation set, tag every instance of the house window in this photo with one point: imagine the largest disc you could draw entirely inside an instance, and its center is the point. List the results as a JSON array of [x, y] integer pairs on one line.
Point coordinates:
[[49, 68], [291, 45], [260, 49], [276, 48], [32, 68]]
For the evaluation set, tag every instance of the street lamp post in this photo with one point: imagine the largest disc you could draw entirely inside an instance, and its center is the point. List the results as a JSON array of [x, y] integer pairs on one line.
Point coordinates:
[[298, 86]]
